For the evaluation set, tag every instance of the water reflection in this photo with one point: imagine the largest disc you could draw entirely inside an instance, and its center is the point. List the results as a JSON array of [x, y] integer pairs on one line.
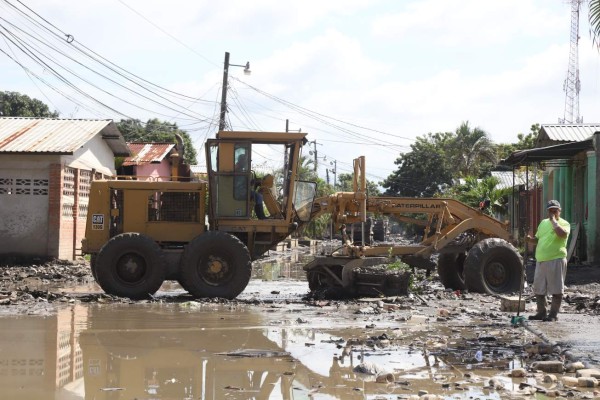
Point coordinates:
[[39, 355], [284, 264], [192, 351]]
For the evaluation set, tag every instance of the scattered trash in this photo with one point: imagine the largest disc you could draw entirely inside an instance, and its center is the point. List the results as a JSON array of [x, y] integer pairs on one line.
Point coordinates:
[[479, 355], [518, 373], [255, 353], [548, 366]]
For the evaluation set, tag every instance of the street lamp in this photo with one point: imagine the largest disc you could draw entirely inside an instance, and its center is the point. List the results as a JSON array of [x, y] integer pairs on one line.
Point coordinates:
[[226, 66]]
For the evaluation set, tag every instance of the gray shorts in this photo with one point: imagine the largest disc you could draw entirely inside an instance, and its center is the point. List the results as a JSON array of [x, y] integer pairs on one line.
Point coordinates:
[[549, 277]]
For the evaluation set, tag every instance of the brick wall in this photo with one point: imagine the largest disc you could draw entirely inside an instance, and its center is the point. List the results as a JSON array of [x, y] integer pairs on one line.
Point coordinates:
[[69, 190], [54, 209]]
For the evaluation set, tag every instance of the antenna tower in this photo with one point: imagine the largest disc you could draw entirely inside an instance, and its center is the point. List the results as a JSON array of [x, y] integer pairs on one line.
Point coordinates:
[[572, 84]]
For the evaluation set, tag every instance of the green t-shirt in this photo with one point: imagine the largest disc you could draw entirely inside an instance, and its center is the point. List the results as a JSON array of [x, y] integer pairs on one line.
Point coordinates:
[[550, 246]]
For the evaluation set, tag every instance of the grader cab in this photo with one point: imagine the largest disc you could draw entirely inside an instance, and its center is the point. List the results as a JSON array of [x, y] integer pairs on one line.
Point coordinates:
[[206, 234]]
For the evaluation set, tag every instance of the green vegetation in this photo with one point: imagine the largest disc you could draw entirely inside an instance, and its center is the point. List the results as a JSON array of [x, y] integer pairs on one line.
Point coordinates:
[[400, 266], [437, 161], [474, 191], [154, 130], [14, 104]]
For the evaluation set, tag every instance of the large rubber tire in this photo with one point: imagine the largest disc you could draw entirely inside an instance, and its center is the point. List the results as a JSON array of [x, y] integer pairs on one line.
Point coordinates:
[[215, 264], [379, 231], [130, 265], [493, 266], [450, 269], [93, 266]]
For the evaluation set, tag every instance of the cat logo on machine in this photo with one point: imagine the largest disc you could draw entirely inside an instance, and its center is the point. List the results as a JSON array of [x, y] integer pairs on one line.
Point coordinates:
[[98, 222]]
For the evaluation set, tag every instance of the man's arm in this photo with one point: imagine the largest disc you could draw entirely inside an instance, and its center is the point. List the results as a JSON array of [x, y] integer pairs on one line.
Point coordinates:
[[559, 230], [531, 239]]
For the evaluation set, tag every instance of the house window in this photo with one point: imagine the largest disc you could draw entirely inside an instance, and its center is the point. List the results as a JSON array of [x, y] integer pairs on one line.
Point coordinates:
[[24, 186], [40, 187], [6, 186], [69, 182]]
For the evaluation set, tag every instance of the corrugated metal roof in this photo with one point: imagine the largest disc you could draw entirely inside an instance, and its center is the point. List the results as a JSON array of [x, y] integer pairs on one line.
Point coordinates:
[[57, 136], [506, 179], [147, 153], [563, 151], [566, 133], [198, 169]]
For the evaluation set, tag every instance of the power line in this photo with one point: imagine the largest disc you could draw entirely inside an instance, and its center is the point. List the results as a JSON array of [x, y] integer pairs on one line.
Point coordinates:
[[74, 44], [35, 54], [39, 54], [295, 106], [33, 81], [167, 33]]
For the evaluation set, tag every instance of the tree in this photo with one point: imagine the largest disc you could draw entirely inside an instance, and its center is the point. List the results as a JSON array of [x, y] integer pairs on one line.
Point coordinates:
[[14, 104], [594, 17], [306, 169], [424, 170], [525, 141], [133, 130], [472, 151], [474, 191], [344, 184]]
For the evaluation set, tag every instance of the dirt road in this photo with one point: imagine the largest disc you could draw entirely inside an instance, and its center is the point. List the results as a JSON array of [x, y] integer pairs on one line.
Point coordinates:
[[275, 341]]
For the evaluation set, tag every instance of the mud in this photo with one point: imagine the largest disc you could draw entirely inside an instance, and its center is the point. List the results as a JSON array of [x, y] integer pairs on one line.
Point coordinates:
[[60, 334]]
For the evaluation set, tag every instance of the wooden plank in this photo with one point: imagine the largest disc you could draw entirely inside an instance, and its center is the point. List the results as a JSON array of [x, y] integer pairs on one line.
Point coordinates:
[[574, 236]]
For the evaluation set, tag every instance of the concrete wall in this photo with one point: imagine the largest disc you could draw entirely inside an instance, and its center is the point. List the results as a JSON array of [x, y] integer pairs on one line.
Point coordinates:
[[95, 154], [155, 172], [24, 193], [43, 199]]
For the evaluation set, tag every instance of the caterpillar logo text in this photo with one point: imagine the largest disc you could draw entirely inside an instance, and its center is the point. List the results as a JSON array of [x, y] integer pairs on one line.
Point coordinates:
[[423, 205]]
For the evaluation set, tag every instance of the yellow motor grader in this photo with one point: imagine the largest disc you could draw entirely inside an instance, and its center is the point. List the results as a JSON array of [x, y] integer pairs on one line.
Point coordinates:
[[205, 234]]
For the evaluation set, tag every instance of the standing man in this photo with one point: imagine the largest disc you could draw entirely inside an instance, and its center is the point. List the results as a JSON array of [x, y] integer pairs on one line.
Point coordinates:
[[551, 266]]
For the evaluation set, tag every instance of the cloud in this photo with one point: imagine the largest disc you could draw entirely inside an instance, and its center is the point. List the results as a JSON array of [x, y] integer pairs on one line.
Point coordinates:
[[458, 23], [403, 67]]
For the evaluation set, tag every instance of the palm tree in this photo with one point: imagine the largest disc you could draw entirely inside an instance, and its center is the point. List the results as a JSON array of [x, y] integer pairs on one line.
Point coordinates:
[[474, 191], [473, 149], [594, 18], [306, 169]]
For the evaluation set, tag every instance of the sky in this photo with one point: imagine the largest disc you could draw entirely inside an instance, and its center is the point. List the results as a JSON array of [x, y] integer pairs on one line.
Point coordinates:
[[361, 77]]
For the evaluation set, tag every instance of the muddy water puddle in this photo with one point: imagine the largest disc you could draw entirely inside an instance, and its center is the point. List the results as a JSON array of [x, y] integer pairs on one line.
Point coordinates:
[[272, 344], [213, 351]]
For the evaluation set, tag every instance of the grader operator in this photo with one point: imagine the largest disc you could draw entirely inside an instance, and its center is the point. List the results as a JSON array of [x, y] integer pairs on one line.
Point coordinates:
[[204, 234]]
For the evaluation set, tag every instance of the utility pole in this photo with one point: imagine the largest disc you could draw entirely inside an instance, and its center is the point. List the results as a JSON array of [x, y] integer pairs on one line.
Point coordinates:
[[334, 163], [314, 152], [224, 92], [226, 66], [287, 127]]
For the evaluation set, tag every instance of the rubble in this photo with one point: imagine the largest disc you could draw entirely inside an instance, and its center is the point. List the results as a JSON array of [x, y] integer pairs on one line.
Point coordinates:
[[467, 331]]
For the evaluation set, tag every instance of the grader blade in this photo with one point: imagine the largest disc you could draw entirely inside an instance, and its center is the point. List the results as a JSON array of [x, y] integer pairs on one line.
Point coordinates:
[[339, 276], [414, 261]]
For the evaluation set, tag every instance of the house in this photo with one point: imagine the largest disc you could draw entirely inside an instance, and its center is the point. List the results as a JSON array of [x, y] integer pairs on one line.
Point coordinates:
[[155, 161], [567, 156], [46, 166]]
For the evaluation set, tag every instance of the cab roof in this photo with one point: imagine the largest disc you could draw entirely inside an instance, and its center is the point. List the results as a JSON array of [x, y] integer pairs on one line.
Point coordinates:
[[263, 137]]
